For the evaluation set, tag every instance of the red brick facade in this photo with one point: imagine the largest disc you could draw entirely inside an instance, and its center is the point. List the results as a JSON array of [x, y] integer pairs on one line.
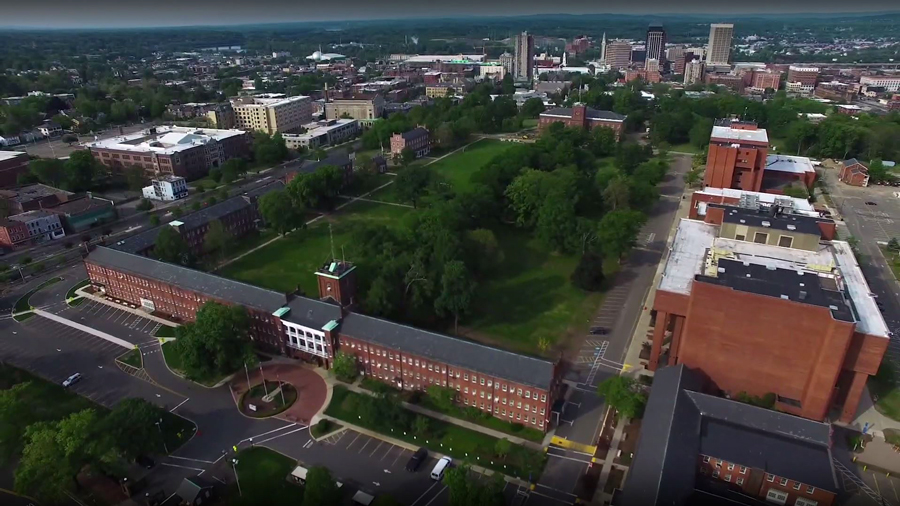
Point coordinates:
[[738, 165], [757, 482], [11, 167], [417, 140], [580, 117], [508, 401], [855, 174], [12, 233]]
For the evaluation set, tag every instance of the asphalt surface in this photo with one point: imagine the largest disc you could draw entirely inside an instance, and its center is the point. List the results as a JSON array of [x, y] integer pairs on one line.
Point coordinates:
[[54, 351], [602, 356]]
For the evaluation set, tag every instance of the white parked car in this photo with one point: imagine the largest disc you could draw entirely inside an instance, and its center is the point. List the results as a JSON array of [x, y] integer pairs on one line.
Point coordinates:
[[71, 380]]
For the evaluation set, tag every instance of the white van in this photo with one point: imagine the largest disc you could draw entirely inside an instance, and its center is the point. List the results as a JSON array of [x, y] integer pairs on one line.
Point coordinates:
[[438, 472]]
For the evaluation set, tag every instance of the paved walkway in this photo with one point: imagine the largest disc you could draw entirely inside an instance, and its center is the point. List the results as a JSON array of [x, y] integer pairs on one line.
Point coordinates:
[[81, 292], [457, 421], [880, 454], [866, 414], [94, 332]]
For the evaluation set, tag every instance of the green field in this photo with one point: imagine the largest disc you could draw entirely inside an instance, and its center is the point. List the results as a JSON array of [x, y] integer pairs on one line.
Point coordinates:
[[262, 474], [530, 297], [687, 147], [459, 167], [290, 262], [132, 358]]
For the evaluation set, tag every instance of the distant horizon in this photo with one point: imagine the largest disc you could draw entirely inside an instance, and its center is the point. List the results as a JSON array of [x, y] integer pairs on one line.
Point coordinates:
[[160, 14]]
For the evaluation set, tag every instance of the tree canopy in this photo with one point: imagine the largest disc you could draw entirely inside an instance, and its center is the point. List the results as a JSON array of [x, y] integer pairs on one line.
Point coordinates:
[[216, 343]]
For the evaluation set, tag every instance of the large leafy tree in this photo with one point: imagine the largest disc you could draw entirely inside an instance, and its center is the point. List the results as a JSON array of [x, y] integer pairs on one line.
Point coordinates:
[[280, 212], [457, 289], [216, 342], [465, 491], [216, 239], [345, 366], [320, 487], [132, 427], [171, 247], [411, 182], [317, 190], [617, 231], [623, 394]]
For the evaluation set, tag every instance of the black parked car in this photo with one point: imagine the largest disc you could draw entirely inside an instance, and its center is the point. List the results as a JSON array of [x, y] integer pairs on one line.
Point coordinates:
[[599, 331], [416, 460]]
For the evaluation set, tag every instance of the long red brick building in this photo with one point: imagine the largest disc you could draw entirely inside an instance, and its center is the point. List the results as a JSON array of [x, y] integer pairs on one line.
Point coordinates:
[[510, 386], [756, 300], [582, 116]]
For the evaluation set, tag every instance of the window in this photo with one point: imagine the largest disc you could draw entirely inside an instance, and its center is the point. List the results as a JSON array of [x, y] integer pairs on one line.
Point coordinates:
[[761, 238], [730, 467], [743, 470], [739, 481], [520, 392], [783, 481], [466, 377], [716, 473], [728, 477], [776, 496], [785, 241], [810, 490], [770, 478], [482, 381], [802, 501]]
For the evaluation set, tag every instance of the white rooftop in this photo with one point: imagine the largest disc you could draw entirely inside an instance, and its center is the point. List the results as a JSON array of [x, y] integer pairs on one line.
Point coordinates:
[[798, 206], [696, 248], [262, 101], [735, 134], [6, 155], [315, 129], [430, 58], [787, 163], [166, 140]]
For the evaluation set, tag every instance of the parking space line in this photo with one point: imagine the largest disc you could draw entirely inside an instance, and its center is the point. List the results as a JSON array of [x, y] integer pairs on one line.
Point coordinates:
[[376, 448], [354, 440], [388, 452], [365, 445], [149, 322], [402, 451], [436, 495], [425, 493]]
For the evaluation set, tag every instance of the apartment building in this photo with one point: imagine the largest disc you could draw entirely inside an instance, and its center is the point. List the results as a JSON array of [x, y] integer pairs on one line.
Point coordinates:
[[582, 116], [418, 140], [806, 76], [365, 110], [166, 188], [507, 385], [41, 225], [12, 164], [172, 150], [327, 132], [757, 300], [270, 114], [696, 448], [890, 83], [618, 55]]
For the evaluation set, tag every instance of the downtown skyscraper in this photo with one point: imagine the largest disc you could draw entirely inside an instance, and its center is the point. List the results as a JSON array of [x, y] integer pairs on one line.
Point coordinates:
[[524, 57], [719, 50]]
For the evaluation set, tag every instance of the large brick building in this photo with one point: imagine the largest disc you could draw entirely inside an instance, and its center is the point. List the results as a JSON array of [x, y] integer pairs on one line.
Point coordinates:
[[12, 164], [179, 151], [854, 173], [696, 448], [757, 302], [738, 157], [417, 140], [513, 387], [581, 116]]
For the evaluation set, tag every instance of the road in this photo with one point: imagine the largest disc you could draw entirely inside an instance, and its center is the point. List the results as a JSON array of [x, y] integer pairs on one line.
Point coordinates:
[[602, 356], [54, 350]]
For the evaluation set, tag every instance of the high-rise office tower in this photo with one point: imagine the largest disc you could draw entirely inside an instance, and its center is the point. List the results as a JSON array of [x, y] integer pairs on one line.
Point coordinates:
[[656, 43], [719, 50], [524, 57], [618, 54]]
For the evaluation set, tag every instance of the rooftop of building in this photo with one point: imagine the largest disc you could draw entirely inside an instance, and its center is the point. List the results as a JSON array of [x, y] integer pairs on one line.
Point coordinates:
[[168, 178], [164, 139], [697, 250], [590, 112], [261, 101], [796, 205], [31, 215], [415, 133], [311, 313], [772, 217], [338, 158], [189, 279], [724, 133], [798, 68], [321, 127], [82, 205], [681, 423], [453, 351], [25, 194], [8, 155], [789, 164]]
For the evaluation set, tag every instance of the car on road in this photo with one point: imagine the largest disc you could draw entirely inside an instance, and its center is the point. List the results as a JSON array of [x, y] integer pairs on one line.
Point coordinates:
[[144, 461], [71, 380], [870, 203], [438, 472], [599, 331], [416, 460]]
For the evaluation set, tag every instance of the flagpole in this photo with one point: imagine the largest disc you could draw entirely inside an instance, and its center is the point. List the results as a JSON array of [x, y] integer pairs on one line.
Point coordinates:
[[265, 387]]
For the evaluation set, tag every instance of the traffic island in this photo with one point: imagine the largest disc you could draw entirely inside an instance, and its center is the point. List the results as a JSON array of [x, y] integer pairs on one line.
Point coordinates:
[[267, 399]]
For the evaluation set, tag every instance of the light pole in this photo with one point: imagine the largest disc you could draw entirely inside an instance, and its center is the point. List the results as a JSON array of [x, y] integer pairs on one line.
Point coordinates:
[[234, 463], [165, 446]]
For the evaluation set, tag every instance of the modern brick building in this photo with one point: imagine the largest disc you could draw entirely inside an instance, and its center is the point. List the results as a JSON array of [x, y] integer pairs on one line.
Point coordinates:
[[12, 233], [12, 164], [418, 140], [696, 448], [179, 151], [507, 385], [701, 199], [807, 76], [272, 114], [764, 79], [756, 301], [364, 109], [581, 116], [854, 173]]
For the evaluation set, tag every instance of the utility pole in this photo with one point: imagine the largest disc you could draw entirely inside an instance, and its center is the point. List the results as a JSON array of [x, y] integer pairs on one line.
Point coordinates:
[[165, 446], [234, 463]]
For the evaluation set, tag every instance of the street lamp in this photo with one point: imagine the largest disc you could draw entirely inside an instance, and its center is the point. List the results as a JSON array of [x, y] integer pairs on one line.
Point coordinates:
[[165, 446], [234, 463]]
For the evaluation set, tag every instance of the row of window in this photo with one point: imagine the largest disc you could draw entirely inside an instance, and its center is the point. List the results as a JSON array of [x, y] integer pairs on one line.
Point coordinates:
[[784, 481]]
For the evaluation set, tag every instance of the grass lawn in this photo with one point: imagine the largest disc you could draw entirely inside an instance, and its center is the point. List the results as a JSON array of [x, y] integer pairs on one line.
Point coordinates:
[[362, 185], [165, 331], [323, 427], [173, 360], [132, 358], [71, 293], [291, 261], [530, 297], [893, 260], [459, 167], [490, 422], [263, 474], [883, 387], [446, 438], [687, 147], [23, 305], [529, 123]]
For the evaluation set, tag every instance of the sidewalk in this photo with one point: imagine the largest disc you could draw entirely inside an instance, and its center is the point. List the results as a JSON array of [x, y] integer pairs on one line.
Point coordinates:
[[139, 312], [456, 421]]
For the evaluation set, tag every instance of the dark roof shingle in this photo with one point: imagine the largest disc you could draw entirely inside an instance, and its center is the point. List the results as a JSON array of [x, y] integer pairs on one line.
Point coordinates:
[[458, 352]]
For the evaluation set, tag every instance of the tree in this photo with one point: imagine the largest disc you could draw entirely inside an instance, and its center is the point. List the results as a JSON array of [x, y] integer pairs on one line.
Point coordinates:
[[692, 177], [154, 220], [615, 195], [484, 250], [502, 447], [893, 245], [421, 426], [617, 231], [407, 156], [411, 182], [532, 108], [50, 171], [279, 212], [319, 154], [318, 189], [216, 342], [878, 172], [445, 136], [320, 487], [467, 492], [14, 418], [457, 289], [700, 132], [443, 397], [171, 247], [345, 367], [132, 427], [69, 139], [233, 169], [215, 174], [624, 395], [588, 274], [507, 85], [269, 150], [135, 178], [216, 238], [81, 167], [144, 205], [797, 191]]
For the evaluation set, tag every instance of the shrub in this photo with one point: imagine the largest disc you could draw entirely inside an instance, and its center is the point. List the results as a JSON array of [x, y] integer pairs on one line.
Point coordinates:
[[25, 260]]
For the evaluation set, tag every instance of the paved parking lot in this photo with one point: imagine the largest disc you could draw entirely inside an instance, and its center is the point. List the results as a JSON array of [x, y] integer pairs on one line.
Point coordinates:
[[113, 320], [27, 345]]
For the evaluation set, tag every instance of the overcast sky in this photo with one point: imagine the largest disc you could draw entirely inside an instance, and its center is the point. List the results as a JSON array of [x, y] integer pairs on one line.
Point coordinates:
[[137, 13]]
